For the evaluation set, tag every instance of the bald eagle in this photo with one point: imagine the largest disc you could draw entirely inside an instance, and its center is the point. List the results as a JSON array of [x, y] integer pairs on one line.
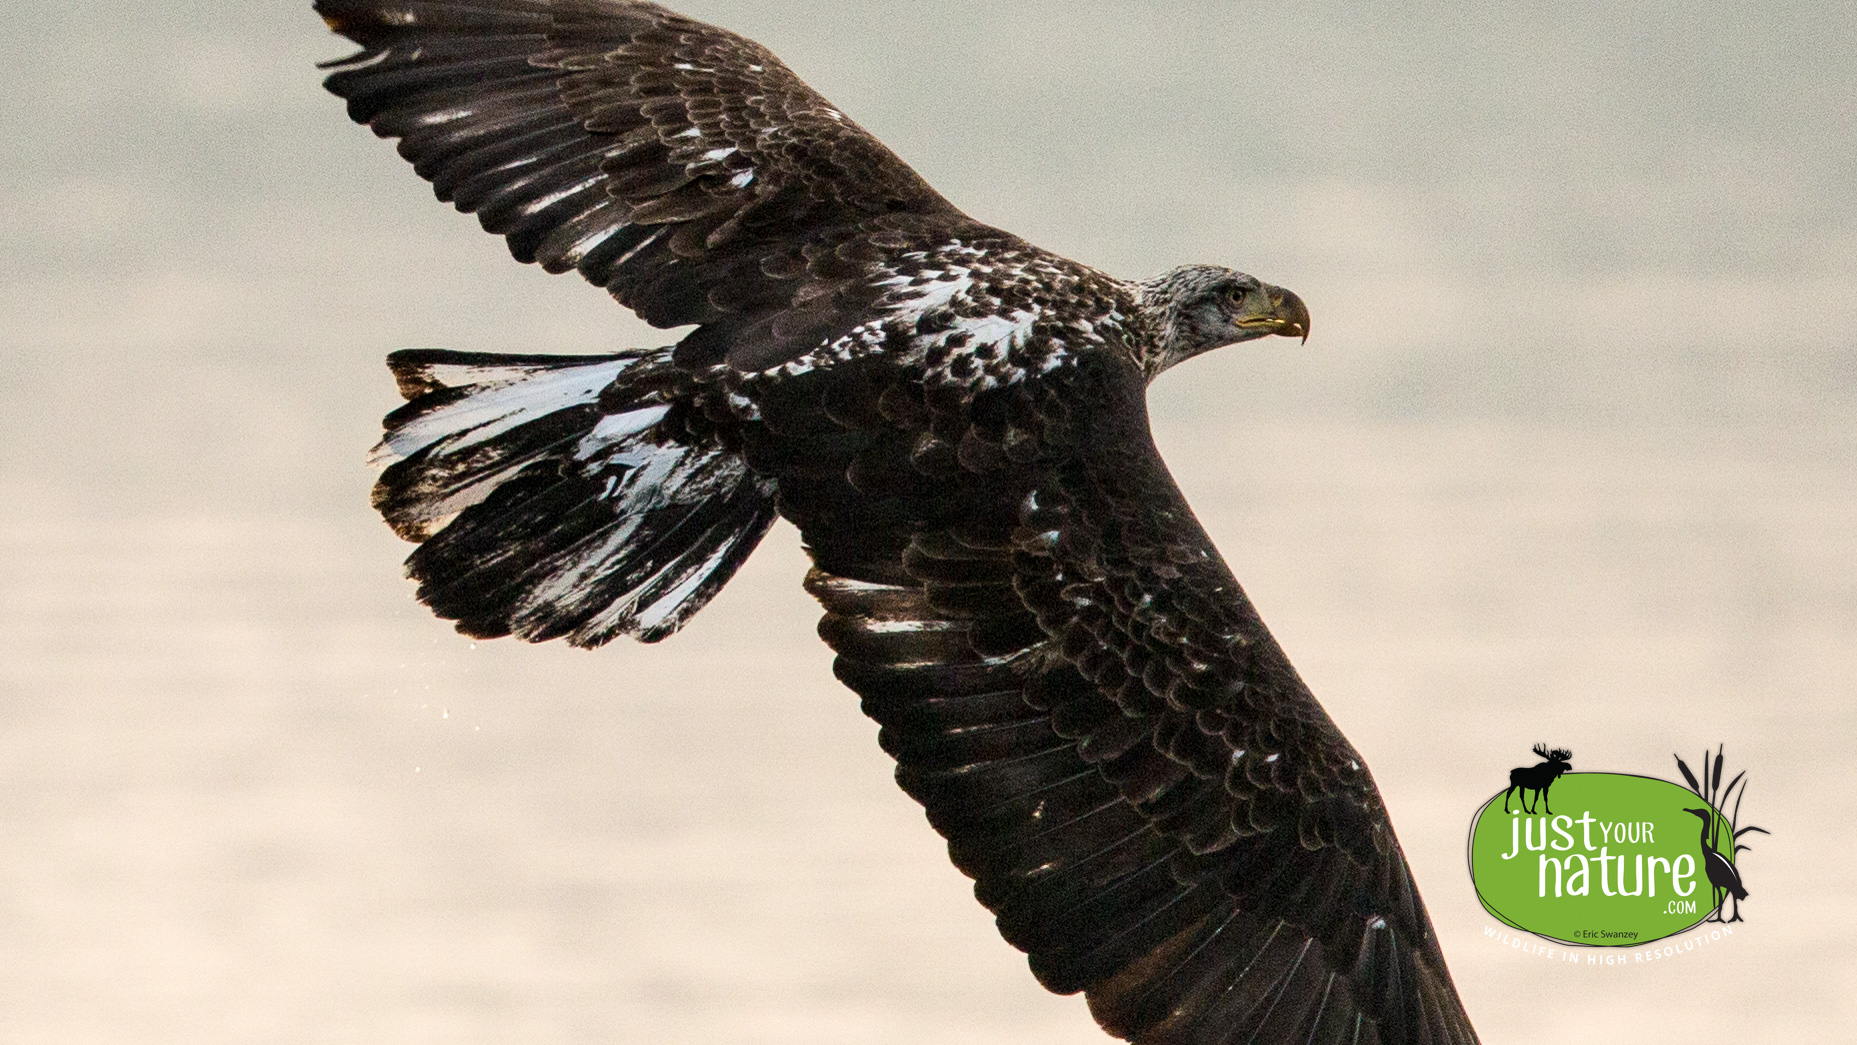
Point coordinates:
[[1069, 678]]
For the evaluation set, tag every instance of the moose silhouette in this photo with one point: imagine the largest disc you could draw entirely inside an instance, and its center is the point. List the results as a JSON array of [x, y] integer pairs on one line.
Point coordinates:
[[1538, 778]]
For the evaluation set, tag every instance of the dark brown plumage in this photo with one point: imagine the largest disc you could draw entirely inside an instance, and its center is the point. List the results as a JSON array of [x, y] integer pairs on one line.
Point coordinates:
[[1071, 681]]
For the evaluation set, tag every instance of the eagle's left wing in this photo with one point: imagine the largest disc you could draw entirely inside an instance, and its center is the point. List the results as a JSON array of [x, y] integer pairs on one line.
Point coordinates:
[[1093, 714]]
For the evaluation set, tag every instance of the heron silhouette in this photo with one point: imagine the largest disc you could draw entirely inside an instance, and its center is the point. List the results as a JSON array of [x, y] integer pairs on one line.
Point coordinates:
[[1723, 878]]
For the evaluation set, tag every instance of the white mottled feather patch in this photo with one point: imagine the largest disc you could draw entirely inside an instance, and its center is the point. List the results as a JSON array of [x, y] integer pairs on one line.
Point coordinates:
[[997, 330], [973, 317], [503, 398], [616, 428], [912, 301]]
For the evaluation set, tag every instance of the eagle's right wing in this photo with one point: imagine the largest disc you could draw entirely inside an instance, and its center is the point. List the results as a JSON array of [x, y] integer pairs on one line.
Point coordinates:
[[1076, 688], [678, 165]]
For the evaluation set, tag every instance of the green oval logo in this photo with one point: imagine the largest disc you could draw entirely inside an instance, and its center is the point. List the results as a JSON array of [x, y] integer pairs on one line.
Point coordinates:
[[1618, 861]]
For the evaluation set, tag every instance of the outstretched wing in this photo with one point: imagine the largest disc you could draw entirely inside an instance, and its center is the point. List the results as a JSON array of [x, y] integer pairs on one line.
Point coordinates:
[[678, 165], [1094, 716]]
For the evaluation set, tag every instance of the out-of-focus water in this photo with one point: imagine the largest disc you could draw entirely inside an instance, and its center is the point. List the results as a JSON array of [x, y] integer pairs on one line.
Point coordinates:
[[1570, 459], [254, 793]]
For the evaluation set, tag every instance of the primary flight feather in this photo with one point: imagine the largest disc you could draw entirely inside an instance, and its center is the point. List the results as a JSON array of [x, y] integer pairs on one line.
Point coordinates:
[[1071, 681]]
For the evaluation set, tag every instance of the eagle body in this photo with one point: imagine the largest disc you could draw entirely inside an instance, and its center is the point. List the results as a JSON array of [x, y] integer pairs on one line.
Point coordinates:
[[1071, 681]]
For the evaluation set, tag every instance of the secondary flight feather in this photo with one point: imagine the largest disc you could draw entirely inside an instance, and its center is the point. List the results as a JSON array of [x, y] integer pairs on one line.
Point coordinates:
[[1071, 681]]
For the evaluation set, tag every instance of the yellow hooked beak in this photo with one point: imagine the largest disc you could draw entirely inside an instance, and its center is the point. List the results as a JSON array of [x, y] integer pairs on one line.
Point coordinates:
[[1284, 315]]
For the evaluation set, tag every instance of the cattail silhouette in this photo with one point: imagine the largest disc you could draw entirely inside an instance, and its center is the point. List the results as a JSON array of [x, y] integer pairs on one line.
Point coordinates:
[[1724, 877]]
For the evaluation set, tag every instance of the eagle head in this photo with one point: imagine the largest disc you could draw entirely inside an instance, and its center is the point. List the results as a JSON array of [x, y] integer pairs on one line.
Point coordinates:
[[1199, 308]]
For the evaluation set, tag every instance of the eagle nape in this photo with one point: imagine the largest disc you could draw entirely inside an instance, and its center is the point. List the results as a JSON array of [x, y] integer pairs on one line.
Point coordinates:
[[1071, 681]]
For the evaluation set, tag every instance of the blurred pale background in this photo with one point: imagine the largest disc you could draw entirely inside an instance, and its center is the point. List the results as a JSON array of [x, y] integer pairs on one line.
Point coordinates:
[[1571, 458]]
